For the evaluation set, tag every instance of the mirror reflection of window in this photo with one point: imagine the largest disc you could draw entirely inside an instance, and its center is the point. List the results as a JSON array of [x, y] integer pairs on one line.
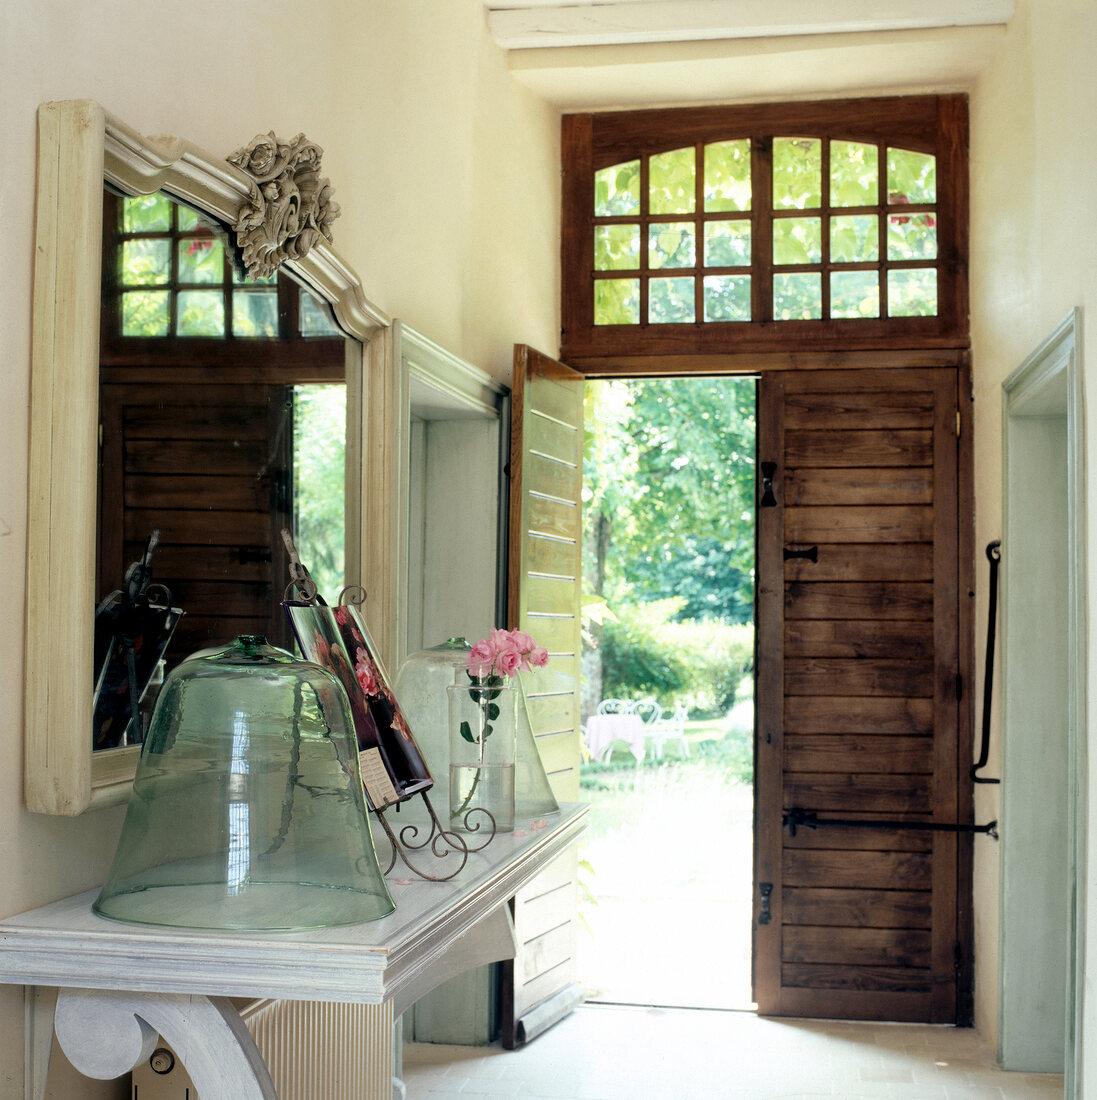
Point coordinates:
[[222, 420]]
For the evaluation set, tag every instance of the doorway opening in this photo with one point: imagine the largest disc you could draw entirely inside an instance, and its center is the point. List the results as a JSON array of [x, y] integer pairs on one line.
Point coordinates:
[[667, 708]]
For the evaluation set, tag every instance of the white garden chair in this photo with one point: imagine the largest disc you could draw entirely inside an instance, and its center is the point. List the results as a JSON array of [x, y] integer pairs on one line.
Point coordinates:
[[616, 706], [672, 728]]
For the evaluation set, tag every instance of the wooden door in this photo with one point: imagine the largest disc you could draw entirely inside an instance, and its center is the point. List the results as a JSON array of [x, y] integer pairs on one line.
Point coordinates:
[[858, 694], [210, 467], [545, 556]]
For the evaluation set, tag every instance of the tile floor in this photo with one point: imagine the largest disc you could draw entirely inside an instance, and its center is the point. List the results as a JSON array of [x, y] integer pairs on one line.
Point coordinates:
[[610, 1052]]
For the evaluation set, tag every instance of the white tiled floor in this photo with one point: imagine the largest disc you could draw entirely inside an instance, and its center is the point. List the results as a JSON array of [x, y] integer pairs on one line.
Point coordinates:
[[608, 1052]]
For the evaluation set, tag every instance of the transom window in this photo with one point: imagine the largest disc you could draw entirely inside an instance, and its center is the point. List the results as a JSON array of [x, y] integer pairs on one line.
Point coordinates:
[[842, 220]]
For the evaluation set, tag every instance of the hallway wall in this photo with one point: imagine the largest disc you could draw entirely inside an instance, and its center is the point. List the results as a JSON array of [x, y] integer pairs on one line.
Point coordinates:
[[1034, 258], [447, 175]]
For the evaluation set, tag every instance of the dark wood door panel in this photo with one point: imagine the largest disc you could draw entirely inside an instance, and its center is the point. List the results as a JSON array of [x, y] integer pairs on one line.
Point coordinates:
[[908, 601], [807, 714], [857, 638], [859, 946], [834, 448], [851, 752], [859, 485], [901, 562], [858, 623], [860, 410], [831, 906]]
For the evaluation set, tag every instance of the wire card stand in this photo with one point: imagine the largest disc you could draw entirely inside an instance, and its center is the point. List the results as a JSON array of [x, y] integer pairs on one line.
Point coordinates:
[[388, 780]]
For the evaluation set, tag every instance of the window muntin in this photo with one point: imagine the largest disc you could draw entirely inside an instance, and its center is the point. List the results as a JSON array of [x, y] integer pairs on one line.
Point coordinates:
[[680, 225], [175, 277]]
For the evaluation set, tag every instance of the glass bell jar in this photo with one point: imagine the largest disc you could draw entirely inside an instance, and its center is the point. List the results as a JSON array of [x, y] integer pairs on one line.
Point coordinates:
[[421, 686], [248, 811]]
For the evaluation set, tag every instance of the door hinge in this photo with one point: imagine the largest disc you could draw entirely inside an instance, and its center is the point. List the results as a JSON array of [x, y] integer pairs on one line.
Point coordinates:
[[957, 423], [764, 913]]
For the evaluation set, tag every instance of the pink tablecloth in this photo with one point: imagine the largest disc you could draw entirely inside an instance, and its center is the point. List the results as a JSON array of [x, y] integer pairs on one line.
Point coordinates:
[[604, 729]]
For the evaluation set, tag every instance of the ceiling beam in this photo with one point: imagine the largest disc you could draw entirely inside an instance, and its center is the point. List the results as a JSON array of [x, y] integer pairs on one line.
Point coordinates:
[[537, 24]]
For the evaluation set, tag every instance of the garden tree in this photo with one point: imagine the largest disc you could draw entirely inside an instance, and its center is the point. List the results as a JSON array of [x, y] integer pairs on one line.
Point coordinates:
[[609, 493], [668, 498]]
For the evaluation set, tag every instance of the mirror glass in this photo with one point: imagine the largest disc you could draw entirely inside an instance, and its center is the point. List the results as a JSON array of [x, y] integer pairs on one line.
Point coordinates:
[[222, 403]]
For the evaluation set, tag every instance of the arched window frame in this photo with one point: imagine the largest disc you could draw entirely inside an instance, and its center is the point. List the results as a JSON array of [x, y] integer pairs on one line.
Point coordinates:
[[928, 124]]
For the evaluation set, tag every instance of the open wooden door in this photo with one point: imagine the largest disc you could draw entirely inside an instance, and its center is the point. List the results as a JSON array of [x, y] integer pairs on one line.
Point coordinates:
[[211, 468], [858, 685], [545, 555]]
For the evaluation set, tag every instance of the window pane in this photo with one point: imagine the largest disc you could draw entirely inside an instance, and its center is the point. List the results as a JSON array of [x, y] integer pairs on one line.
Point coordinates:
[[315, 317], [912, 292], [854, 174], [617, 190], [672, 179], [146, 214], [145, 313], [146, 262], [797, 295], [201, 260], [854, 238], [616, 247], [797, 240], [672, 245], [727, 244], [912, 177], [797, 173], [187, 220], [255, 313], [201, 313], [727, 298], [854, 294], [670, 301], [727, 175], [241, 278], [617, 301], [912, 237]]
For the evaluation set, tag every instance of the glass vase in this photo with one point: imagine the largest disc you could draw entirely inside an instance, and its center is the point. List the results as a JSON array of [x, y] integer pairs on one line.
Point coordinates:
[[247, 812], [482, 740]]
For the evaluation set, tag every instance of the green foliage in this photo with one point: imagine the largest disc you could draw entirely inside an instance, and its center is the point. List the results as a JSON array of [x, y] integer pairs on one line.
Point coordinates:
[[669, 490], [319, 463], [645, 653]]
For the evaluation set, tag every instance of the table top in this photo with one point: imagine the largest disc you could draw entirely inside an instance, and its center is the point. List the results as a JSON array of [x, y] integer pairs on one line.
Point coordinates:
[[66, 944]]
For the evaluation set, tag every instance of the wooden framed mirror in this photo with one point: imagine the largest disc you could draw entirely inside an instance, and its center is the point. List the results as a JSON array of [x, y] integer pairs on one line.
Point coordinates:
[[81, 147]]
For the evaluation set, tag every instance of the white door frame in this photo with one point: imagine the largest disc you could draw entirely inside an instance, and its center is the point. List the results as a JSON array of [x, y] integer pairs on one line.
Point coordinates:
[[1043, 710]]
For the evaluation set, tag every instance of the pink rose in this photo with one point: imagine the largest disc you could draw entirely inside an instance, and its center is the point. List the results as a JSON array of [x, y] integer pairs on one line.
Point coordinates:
[[523, 641], [508, 661], [480, 659], [538, 656]]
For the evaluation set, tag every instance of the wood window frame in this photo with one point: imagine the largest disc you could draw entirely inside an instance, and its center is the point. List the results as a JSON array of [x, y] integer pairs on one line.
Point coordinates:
[[266, 359], [590, 142]]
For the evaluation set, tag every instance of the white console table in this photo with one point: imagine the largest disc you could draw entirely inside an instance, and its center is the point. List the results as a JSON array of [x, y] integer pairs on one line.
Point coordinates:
[[121, 985]]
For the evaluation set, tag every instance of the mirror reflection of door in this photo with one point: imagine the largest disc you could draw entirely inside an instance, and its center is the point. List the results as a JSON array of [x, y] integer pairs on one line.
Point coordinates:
[[222, 420]]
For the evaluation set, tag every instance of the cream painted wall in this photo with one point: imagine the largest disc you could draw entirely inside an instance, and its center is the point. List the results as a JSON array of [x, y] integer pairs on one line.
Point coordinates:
[[1034, 258], [447, 174]]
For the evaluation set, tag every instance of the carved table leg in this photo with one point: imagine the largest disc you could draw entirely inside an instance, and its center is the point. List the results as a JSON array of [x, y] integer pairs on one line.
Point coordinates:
[[105, 1033], [38, 1028]]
